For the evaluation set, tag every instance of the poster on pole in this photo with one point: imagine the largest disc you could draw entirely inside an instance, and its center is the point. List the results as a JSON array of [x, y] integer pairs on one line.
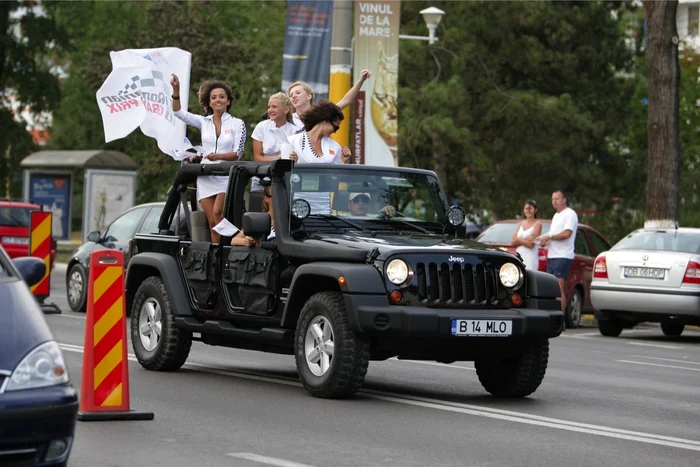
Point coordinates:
[[107, 194], [376, 109], [137, 94], [307, 45], [52, 191]]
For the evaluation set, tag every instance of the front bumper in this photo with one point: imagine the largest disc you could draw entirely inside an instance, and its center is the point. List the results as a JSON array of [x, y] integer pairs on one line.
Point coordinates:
[[375, 318], [646, 301], [31, 419]]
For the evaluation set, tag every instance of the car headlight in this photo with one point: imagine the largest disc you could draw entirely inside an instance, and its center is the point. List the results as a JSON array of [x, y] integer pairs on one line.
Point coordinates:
[[397, 271], [43, 366], [510, 275]]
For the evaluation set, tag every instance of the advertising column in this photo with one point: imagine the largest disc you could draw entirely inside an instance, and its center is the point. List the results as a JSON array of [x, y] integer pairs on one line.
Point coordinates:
[[376, 110], [307, 45]]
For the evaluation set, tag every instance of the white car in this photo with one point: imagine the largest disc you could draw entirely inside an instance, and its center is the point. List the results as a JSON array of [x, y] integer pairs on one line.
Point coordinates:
[[651, 275]]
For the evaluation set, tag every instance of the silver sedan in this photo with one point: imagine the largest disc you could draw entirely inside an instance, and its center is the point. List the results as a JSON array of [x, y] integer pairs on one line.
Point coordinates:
[[650, 275]]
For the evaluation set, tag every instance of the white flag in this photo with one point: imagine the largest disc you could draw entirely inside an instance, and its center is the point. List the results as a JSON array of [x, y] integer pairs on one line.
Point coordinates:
[[137, 94]]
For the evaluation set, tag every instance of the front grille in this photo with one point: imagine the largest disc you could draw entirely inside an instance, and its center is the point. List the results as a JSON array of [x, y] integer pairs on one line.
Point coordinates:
[[445, 284]]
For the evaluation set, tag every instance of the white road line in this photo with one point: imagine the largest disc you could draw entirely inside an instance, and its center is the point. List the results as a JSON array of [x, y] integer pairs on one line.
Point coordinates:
[[266, 460], [443, 365], [70, 316], [468, 409], [658, 346], [668, 360], [658, 364]]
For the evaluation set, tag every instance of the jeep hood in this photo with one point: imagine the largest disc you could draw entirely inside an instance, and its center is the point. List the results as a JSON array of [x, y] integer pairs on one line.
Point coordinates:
[[389, 243]]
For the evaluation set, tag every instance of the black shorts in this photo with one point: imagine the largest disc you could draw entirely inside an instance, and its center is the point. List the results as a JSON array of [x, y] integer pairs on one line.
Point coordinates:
[[559, 267]]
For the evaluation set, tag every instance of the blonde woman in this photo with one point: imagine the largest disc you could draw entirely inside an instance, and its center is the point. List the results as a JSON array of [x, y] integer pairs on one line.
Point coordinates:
[[302, 97]]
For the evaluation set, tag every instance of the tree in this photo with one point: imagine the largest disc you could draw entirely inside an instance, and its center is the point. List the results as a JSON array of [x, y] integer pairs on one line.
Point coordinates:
[[663, 194], [30, 39]]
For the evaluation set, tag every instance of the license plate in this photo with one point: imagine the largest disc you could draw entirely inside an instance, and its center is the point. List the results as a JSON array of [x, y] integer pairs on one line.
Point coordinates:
[[647, 273], [481, 327], [16, 240]]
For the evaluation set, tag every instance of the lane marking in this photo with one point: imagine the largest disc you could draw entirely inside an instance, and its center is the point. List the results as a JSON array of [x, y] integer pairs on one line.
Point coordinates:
[[660, 365], [667, 360], [70, 316], [266, 460], [468, 409], [658, 346], [443, 365]]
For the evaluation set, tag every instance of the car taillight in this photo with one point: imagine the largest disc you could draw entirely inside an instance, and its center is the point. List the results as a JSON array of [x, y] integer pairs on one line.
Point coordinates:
[[692, 273], [600, 268], [542, 258]]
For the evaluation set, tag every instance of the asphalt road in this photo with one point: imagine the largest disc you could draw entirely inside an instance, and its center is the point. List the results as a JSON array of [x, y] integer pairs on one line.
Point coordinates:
[[629, 401]]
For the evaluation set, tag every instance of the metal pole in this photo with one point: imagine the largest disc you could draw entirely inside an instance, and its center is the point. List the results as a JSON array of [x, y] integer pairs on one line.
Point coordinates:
[[341, 63]]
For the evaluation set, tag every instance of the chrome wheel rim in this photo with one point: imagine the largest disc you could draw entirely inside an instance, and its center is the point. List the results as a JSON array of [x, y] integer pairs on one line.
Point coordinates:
[[319, 346], [576, 307], [75, 287], [150, 324]]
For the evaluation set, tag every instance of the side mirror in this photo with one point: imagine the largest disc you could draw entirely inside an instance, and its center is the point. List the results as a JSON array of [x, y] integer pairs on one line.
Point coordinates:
[[256, 225], [31, 269], [94, 237]]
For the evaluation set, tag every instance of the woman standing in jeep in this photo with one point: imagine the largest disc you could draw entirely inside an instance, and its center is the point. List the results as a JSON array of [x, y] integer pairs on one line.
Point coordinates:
[[223, 139], [314, 145]]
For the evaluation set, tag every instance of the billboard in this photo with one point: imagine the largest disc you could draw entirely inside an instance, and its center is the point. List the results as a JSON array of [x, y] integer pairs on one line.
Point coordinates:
[[376, 110], [52, 191], [107, 194], [307, 45]]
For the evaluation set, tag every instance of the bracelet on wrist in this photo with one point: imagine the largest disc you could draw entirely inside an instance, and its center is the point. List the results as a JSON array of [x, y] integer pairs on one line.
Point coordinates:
[[177, 98]]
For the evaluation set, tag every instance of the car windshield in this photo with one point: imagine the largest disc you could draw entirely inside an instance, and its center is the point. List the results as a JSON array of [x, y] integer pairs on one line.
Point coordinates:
[[661, 240], [371, 199], [502, 234], [14, 217]]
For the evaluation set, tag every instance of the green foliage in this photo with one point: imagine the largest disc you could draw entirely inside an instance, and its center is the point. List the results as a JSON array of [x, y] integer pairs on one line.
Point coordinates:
[[28, 42], [240, 45]]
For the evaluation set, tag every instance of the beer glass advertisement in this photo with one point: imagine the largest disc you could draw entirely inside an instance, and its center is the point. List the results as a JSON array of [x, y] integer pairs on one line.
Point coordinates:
[[52, 191], [377, 49], [108, 193]]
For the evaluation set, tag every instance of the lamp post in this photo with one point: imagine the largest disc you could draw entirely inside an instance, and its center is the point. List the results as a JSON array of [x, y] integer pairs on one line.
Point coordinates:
[[432, 17]]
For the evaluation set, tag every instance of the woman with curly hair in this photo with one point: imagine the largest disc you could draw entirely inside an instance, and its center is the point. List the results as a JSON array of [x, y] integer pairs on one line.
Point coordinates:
[[314, 144], [223, 139]]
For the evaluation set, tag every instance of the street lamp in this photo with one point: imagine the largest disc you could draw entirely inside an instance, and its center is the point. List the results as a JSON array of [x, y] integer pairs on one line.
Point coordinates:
[[432, 17]]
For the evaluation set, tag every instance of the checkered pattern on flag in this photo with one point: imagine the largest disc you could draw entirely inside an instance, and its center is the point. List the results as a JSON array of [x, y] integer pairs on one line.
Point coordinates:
[[137, 93]]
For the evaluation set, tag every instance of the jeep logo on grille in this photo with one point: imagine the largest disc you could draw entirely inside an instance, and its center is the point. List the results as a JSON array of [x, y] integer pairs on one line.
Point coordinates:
[[455, 259]]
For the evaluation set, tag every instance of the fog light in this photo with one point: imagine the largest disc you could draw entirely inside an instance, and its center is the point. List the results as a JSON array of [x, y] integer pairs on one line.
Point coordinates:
[[396, 296], [58, 449]]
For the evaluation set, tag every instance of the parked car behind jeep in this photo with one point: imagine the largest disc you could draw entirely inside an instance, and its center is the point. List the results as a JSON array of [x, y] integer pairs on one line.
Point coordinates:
[[364, 265], [589, 243]]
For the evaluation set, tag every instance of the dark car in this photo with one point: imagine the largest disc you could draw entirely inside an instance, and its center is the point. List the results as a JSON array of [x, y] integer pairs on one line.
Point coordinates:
[[139, 219], [38, 406], [15, 217], [589, 244], [364, 263]]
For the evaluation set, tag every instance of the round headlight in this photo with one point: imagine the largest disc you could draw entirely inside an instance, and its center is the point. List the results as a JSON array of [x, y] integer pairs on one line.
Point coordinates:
[[301, 209], [456, 216], [510, 275], [397, 271]]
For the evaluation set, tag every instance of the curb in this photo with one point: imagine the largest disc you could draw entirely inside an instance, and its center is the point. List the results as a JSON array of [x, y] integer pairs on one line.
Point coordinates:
[[60, 267]]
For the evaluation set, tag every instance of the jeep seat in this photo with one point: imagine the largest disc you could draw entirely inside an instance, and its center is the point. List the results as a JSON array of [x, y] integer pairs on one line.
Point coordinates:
[[340, 201], [200, 227]]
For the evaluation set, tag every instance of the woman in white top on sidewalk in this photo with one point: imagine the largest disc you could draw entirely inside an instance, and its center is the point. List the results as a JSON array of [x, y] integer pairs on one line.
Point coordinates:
[[223, 139], [302, 97], [314, 145], [270, 135], [524, 237]]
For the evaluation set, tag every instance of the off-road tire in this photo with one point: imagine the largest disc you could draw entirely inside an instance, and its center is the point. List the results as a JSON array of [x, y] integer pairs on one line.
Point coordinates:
[[672, 329], [174, 345], [348, 366], [80, 305], [611, 327], [517, 376], [573, 316]]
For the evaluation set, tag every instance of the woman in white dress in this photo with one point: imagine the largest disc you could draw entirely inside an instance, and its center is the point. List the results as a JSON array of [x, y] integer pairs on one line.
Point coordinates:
[[269, 135], [223, 139], [314, 145], [524, 237], [302, 97]]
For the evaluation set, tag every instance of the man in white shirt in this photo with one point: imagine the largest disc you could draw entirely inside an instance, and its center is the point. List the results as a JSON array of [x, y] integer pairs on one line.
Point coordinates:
[[560, 242]]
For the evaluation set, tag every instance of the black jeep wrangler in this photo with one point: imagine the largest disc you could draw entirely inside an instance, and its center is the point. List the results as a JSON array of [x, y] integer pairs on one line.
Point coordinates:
[[364, 264]]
